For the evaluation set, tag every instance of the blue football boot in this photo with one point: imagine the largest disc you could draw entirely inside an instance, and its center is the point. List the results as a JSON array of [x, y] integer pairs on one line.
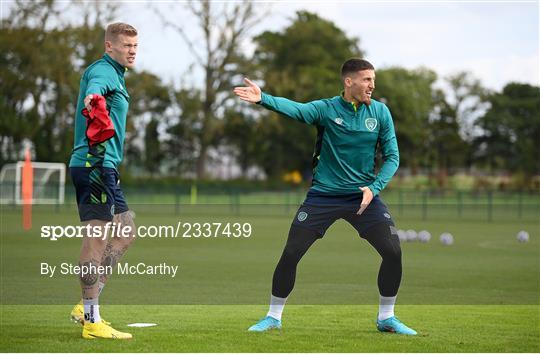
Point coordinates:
[[265, 324], [394, 325]]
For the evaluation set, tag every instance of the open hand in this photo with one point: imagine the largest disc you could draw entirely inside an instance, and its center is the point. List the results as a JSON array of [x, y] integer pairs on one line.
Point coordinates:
[[250, 93], [367, 197]]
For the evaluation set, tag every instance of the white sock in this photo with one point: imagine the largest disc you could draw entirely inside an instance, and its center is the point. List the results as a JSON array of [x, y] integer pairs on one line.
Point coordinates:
[[91, 310], [386, 307], [276, 307]]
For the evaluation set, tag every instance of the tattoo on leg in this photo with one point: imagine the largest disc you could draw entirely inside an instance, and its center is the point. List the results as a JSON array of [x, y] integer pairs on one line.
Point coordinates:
[[126, 219], [117, 246], [111, 257], [105, 259], [91, 275]]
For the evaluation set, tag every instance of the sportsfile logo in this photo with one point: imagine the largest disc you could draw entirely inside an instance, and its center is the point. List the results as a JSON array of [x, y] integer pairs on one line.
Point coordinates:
[[110, 229], [180, 230]]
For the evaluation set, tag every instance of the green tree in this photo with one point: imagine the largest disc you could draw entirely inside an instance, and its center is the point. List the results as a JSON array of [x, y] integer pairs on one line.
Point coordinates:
[[152, 148], [42, 60], [223, 27], [149, 101], [409, 96], [466, 101], [40, 68], [183, 130], [39, 89], [446, 149], [511, 130], [240, 132], [302, 62]]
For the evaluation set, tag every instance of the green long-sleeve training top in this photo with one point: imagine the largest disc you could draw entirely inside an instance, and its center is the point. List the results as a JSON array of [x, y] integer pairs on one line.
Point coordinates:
[[344, 157], [104, 77]]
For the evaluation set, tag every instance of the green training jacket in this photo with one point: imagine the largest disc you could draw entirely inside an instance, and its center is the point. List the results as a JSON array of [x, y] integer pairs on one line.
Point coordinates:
[[344, 157], [104, 77]]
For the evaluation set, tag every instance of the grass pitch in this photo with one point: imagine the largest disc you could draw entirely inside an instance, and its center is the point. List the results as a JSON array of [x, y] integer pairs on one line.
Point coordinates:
[[317, 328], [479, 295]]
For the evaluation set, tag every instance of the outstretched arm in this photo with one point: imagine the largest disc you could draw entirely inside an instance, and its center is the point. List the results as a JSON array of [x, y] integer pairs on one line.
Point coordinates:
[[99, 83], [250, 93], [309, 113]]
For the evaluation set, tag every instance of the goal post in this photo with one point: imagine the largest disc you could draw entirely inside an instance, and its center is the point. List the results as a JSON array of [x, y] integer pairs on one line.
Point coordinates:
[[49, 179]]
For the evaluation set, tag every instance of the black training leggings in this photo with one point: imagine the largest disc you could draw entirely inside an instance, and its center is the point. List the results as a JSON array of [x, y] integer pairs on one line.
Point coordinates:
[[381, 236]]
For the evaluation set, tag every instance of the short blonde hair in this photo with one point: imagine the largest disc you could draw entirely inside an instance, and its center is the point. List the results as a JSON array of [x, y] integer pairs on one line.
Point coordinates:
[[115, 29]]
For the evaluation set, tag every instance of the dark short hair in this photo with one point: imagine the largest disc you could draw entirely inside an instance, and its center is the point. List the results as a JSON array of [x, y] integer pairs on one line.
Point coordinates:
[[355, 65]]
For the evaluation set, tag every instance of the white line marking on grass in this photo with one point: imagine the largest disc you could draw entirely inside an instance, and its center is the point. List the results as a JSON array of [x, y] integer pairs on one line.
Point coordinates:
[[142, 324]]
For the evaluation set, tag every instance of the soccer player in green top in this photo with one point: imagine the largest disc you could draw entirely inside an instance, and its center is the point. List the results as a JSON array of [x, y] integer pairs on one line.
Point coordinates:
[[94, 171], [345, 185]]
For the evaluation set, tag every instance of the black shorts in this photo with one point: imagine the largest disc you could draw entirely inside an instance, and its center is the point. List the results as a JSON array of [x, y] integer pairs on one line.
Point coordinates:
[[98, 192], [319, 211]]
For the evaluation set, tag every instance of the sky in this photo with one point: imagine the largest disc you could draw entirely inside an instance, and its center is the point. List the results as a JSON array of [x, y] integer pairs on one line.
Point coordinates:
[[498, 42]]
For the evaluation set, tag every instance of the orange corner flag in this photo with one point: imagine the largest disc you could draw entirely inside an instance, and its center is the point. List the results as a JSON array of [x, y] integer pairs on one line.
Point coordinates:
[[27, 187]]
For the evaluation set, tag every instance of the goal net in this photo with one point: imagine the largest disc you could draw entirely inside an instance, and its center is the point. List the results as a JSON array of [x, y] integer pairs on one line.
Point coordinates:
[[48, 183]]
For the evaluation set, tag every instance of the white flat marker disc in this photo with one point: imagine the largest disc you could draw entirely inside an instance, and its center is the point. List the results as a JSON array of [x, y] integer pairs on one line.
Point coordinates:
[[142, 324]]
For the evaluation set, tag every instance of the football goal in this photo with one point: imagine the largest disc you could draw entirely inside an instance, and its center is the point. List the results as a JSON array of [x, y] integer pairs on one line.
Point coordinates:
[[48, 183]]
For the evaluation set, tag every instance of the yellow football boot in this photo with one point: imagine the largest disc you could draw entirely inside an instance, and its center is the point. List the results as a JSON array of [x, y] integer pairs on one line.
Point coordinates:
[[102, 330]]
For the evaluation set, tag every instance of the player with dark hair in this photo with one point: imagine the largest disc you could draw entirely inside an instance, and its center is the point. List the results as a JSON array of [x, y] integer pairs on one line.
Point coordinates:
[[100, 128], [345, 185]]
